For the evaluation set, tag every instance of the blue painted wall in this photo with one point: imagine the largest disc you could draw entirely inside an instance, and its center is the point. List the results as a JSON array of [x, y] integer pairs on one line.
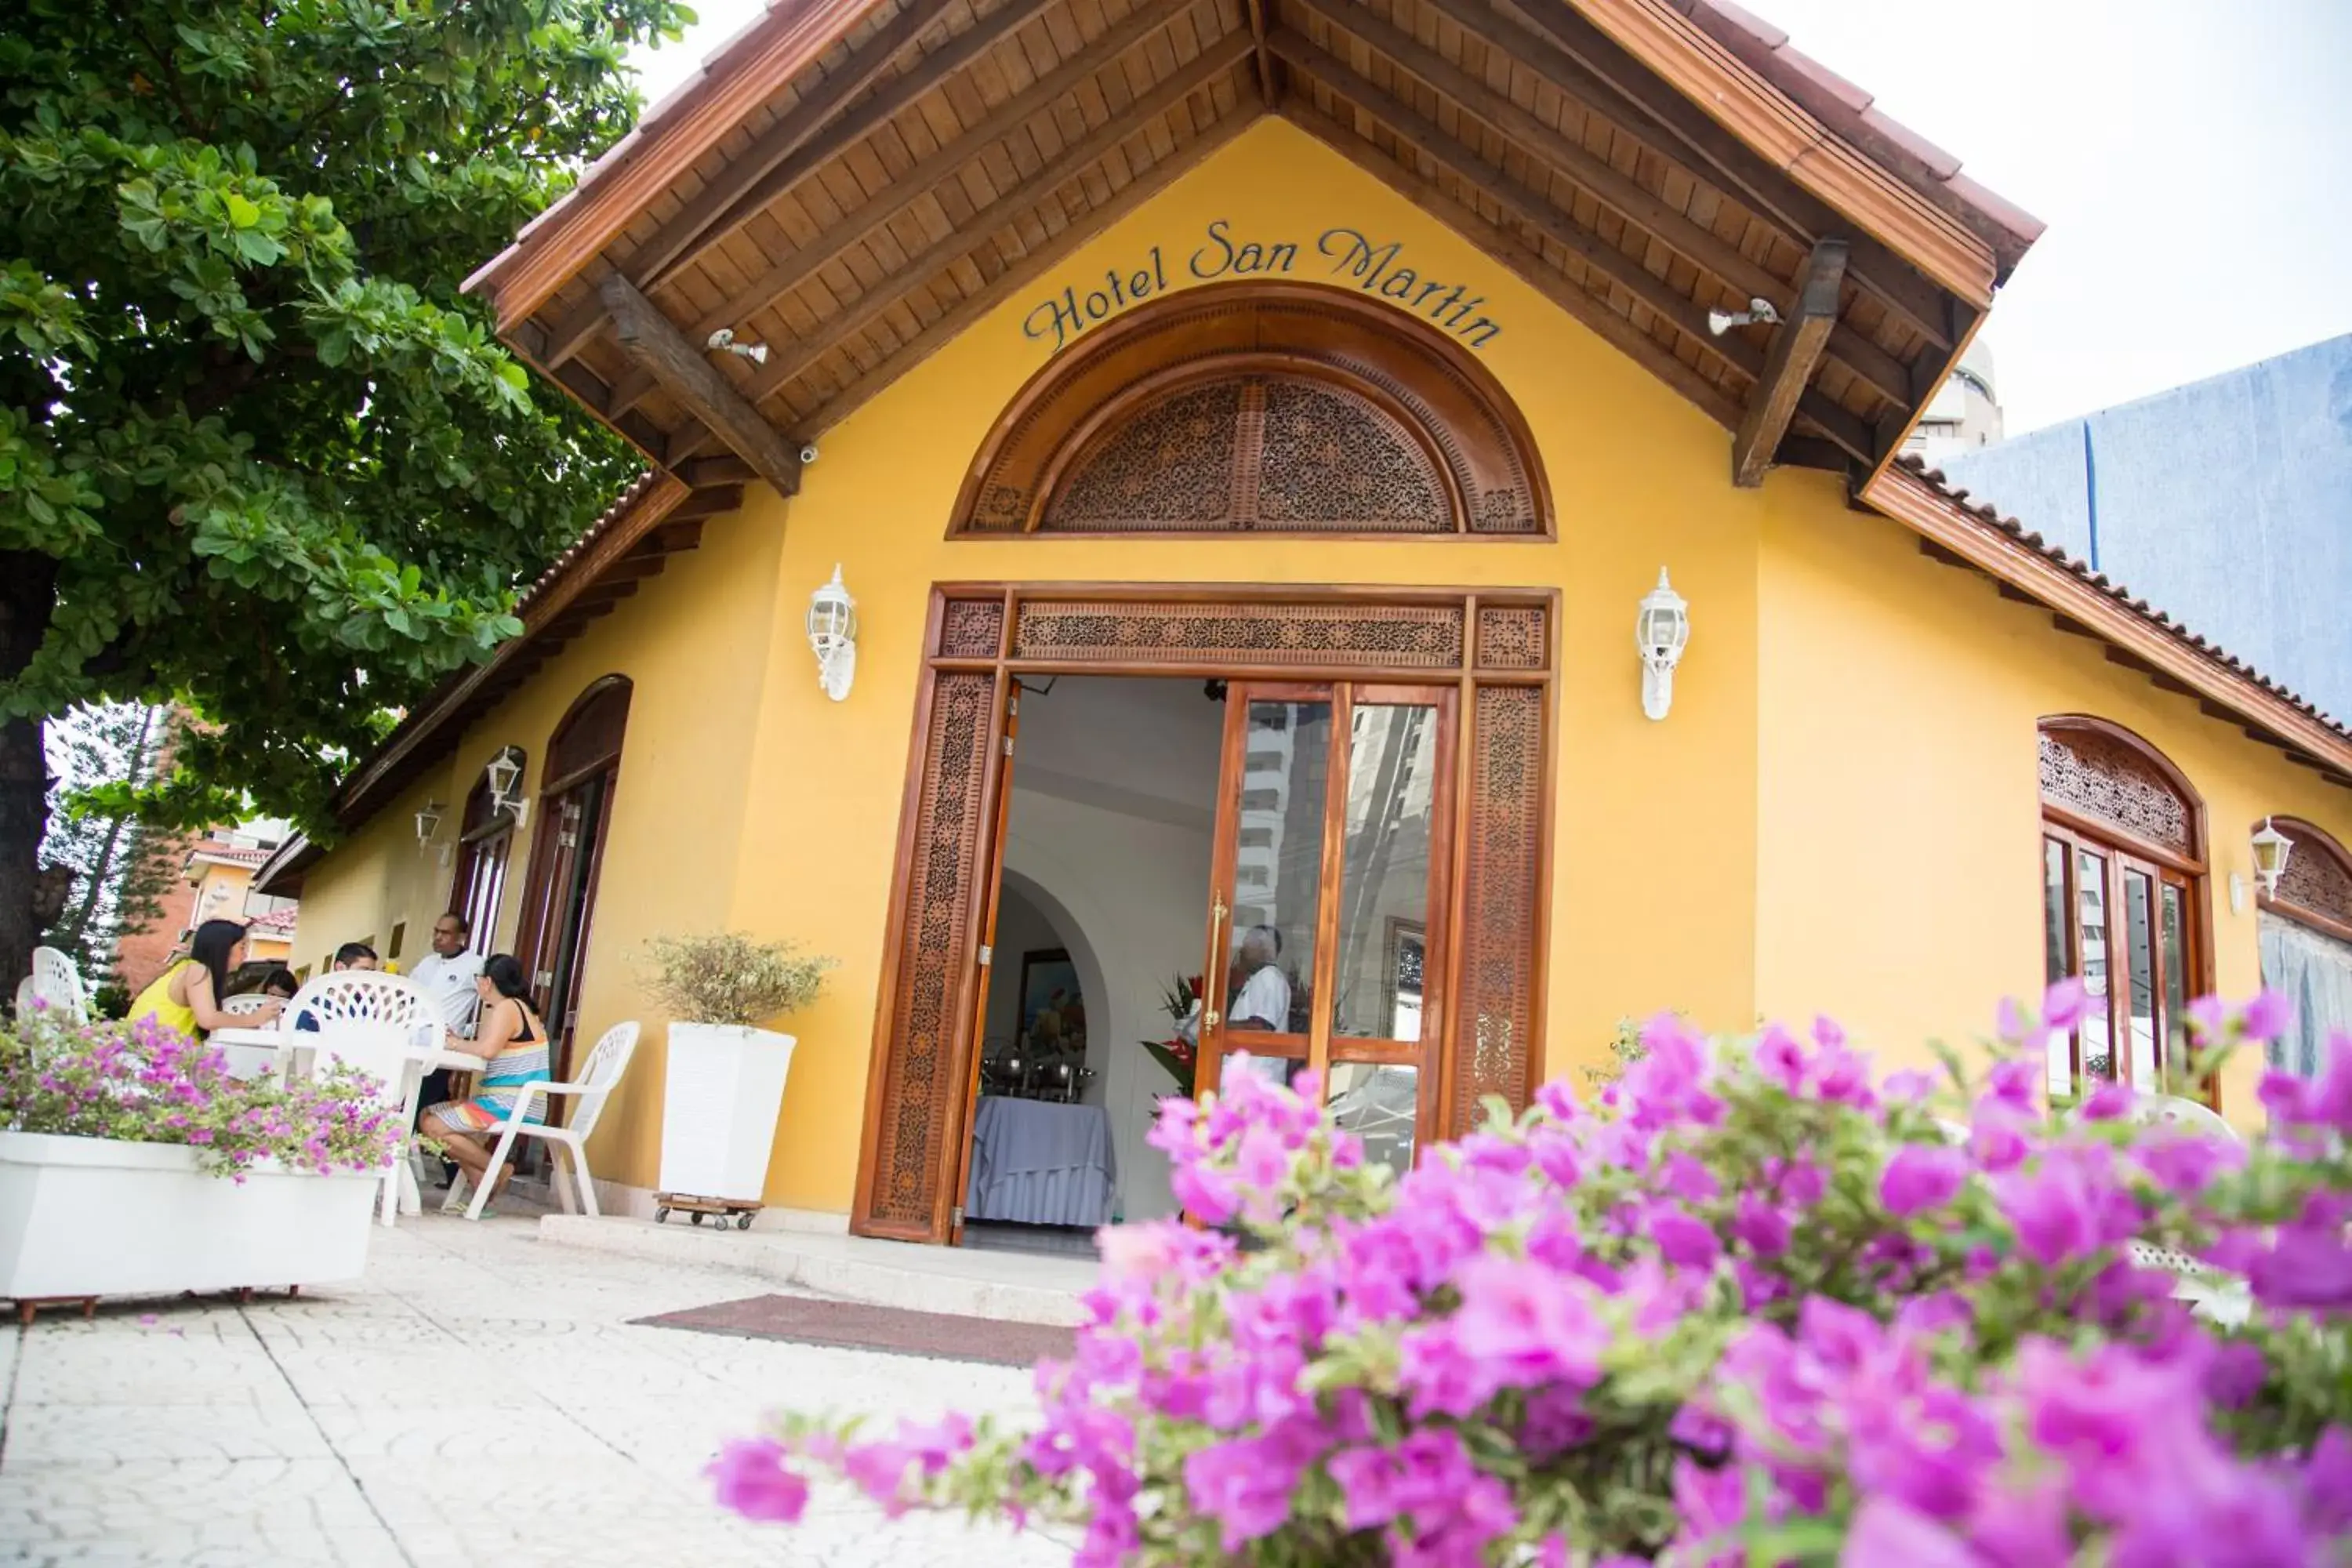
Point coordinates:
[[2226, 502]]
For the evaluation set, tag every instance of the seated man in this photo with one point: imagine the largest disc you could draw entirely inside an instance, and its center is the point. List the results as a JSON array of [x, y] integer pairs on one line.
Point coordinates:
[[350, 955], [1261, 1002]]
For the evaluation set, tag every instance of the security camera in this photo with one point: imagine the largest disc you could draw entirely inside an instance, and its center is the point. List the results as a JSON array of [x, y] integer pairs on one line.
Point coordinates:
[[808, 455]]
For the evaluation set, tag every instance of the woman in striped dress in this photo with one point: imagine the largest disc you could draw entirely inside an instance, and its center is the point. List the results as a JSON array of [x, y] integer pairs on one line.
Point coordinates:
[[514, 1041]]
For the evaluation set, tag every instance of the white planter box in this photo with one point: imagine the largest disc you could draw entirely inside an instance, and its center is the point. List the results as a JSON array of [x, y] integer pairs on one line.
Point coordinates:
[[91, 1216], [722, 1089]]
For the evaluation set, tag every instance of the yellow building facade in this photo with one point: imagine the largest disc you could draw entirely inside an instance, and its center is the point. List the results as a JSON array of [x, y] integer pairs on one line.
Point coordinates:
[[1842, 812]]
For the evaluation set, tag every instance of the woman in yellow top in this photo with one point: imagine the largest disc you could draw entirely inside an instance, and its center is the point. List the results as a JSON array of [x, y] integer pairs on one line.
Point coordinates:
[[187, 997]]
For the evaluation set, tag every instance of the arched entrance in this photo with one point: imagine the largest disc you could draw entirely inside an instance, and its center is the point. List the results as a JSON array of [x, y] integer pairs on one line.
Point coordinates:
[[1385, 779], [574, 813]]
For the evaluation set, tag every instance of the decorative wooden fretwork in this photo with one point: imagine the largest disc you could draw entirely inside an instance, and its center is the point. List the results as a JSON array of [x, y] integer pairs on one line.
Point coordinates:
[[933, 970], [1367, 636], [2317, 881], [1495, 1022], [2107, 780], [1265, 407], [1511, 637], [971, 628]]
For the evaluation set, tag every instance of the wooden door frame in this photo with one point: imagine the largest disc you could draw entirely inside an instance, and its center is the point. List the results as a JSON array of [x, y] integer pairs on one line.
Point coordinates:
[[1497, 646]]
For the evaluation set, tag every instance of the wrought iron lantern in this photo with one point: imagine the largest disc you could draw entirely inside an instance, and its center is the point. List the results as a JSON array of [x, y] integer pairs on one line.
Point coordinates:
[[428, 823], [832, 635], [2271, 848], [1660, 632]]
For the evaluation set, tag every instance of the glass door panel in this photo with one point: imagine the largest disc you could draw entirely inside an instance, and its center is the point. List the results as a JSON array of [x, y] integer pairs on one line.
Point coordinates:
[[2139, 976], [1278, 780], [2174, 932], [2098, 1058], [1387, 828], [2057, 959]]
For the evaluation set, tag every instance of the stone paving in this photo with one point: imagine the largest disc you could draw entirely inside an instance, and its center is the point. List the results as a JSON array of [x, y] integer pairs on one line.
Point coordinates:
[[479, 1398]]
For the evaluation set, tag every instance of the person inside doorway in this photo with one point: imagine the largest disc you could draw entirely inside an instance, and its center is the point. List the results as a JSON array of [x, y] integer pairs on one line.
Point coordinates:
[[1263, 1000]]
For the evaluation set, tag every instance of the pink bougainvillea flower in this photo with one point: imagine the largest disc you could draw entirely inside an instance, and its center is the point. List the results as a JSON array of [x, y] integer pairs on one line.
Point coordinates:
[[1922, 1177], [2066, 1004], [750, 1478], [2269, 1017]]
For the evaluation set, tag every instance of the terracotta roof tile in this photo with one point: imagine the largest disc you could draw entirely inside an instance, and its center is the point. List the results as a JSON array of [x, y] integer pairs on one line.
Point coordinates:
[[2122, 596], [1847, 110], [588, 537], [276, 921]]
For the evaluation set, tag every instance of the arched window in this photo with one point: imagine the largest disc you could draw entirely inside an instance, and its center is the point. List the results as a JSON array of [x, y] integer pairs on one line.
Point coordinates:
[[484, 839], [2307, 940], [1264, 408], [2123, 867]]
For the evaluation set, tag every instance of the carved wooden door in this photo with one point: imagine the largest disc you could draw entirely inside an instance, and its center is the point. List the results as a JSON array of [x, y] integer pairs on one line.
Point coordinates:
[[1329, 897]]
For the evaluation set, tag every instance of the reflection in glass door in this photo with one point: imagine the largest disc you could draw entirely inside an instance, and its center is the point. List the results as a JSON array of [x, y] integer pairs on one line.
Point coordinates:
[[1327, 912]]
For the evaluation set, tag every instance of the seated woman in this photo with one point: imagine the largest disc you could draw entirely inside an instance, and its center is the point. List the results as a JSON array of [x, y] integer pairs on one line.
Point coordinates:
[[515, 1042], [187, 995]]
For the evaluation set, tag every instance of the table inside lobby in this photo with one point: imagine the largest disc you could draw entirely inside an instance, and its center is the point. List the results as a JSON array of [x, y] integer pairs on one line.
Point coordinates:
[[1041, 1162]]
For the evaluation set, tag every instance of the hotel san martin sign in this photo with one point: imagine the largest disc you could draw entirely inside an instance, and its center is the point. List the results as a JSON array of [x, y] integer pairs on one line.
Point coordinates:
[[1344, 255]]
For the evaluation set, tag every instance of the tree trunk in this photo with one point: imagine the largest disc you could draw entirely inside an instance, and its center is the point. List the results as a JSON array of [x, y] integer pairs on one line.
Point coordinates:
[[28, 593]]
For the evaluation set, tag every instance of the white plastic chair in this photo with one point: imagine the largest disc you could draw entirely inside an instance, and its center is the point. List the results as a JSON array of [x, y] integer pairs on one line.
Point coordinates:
[[595, 1085], [380, 1023], [2150, 1109], [55, 982], [2217, 1296], [245, 1005]]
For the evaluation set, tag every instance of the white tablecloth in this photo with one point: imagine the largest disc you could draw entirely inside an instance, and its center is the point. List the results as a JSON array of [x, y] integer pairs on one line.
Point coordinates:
[[1040, 1163]]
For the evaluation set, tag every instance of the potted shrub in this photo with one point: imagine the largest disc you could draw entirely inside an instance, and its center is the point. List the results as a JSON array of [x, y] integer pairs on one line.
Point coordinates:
[[1756, 1305], [132, 1161], [725, 1077]]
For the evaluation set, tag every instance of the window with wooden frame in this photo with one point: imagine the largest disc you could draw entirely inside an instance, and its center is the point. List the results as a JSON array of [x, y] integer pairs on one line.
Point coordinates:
[[484, 840], [2123, 899]]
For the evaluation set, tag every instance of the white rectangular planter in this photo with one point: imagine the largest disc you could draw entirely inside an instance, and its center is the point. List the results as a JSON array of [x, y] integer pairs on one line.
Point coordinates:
[[721, 1091], [91, 1216]]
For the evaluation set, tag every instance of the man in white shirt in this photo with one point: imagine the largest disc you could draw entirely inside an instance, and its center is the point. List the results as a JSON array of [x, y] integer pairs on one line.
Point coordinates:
[[447, 974], [1263, 1003]]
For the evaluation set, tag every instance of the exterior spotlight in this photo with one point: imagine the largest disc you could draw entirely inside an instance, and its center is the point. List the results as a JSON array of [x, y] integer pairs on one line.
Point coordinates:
[[2271, 848], [724, 339], [1660, 631], [832, 635], [1760, 311]]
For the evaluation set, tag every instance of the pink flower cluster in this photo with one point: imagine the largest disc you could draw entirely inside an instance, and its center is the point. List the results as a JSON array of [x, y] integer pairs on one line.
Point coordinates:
[[1753, 1305], [143, 1082]]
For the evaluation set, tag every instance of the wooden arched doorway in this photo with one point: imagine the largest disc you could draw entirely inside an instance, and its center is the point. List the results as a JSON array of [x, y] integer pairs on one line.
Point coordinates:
[[573, 815]]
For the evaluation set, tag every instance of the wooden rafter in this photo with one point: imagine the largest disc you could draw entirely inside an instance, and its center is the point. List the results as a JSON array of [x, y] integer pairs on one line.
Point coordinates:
[[692, 230], [1622, 194], [1798, 345], [1521, 257], [646, 335], [1021, 274], [1539, 212], [1584, 65], [1269, 92], [791, 272], [1217, 59]]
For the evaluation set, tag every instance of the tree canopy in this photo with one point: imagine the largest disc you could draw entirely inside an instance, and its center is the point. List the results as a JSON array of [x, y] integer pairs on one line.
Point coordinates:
[[257, 454]]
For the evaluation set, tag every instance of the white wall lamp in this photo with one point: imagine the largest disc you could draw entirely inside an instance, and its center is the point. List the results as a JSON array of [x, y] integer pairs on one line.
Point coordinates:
[[832, 635], [2271, 848], [428, 823], [504, 772], [1660, 632]]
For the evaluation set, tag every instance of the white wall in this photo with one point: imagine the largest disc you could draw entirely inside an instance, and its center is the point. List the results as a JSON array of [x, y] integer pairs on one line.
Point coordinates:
[[1109, 838]]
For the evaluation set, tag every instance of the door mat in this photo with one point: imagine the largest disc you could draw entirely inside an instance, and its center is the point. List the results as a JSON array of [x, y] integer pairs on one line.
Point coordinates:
[[852, 1325]]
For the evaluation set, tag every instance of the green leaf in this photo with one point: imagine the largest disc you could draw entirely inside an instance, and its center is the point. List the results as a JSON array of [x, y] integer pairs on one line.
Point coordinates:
[[242, 214]]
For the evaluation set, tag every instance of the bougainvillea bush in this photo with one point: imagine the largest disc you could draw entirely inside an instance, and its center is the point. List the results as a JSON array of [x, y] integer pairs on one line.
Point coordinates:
[[145, 1083], [1754, 1305]]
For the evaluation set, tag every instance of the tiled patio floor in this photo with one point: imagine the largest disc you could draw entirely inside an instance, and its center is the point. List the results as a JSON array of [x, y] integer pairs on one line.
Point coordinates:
[[481, 1398]]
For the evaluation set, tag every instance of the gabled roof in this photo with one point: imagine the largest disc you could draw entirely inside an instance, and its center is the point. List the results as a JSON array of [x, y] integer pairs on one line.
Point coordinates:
[[852, 181]]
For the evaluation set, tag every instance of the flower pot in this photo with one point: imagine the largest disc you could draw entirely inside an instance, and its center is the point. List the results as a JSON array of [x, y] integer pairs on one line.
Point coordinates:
[[93, 1216], [722, 1089]]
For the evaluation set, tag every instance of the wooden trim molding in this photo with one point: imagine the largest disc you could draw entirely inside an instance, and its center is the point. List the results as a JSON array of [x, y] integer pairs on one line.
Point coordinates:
[[1491, 652], [1295, 409], [1709, 75], [1912, 500]]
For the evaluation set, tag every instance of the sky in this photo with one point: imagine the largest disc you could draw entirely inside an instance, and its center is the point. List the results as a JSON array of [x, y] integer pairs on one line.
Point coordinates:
[[2188, 156]]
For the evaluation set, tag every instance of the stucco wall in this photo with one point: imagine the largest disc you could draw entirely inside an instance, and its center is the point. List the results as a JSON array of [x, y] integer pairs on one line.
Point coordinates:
[[1898, 804]]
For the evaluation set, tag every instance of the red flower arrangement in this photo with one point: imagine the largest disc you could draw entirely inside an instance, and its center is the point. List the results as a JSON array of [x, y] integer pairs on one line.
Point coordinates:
[[1180, 1056]]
